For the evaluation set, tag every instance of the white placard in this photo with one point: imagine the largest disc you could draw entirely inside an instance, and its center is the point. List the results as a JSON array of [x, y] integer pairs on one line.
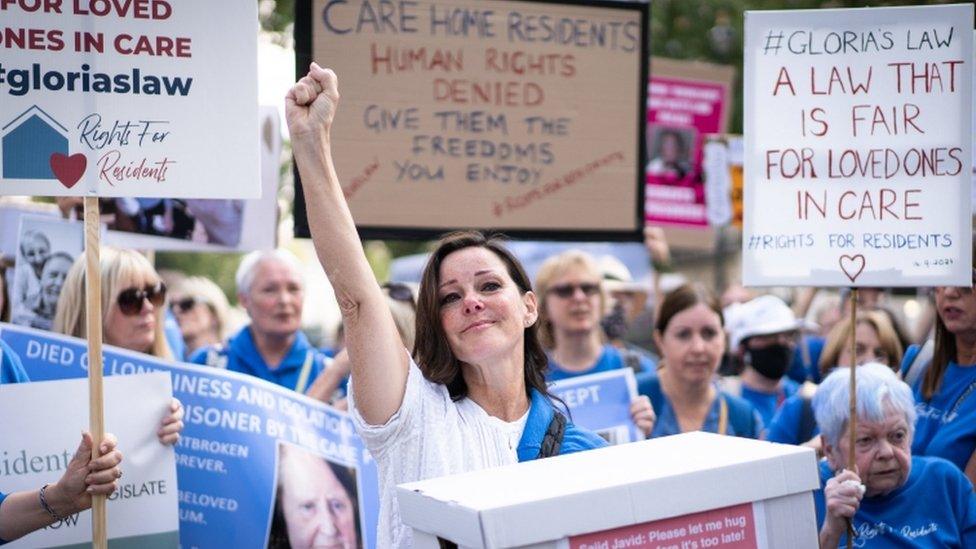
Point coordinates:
[[148, 98], [50, 416], [858, 157]]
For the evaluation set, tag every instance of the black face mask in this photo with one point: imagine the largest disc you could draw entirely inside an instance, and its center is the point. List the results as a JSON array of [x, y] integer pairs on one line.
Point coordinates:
[[615, 323], [772, 361]]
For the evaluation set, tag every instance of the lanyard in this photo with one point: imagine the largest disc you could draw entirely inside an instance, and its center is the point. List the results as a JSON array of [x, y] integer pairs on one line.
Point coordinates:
[[723, 415], [304, 374]]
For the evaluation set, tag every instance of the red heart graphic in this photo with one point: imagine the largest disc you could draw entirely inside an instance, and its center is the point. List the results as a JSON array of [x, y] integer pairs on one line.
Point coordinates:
[[68, 169], [852, 265]]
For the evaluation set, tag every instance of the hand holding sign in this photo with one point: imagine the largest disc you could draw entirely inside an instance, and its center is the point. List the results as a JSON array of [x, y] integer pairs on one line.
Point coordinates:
[[311, 103], [85, 476]]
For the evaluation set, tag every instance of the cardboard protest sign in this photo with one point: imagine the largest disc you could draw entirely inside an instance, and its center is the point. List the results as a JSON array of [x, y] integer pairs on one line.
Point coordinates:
[[239, 432], [686, 101], [46, 250], [50, 416], [858, 132], [518, 116], [135, 99], [601, 403]]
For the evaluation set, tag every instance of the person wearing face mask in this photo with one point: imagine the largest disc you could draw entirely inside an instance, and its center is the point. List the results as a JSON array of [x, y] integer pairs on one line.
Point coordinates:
[[272, 347], [763, 335]]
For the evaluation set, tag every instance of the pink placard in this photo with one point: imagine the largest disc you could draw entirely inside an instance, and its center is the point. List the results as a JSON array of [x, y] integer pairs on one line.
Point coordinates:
[[681, 110], [729, 528]]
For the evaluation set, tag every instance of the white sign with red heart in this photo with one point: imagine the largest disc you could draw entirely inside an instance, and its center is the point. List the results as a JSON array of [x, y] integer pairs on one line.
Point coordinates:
[[858, 138], [130, 99]]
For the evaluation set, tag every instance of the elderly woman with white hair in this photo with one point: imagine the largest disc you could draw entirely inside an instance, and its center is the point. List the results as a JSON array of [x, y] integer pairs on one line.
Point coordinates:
[[272, 347], [892, 498]]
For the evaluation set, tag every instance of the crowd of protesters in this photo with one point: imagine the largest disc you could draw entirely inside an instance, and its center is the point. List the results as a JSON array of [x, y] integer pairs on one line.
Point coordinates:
[[454, 375]]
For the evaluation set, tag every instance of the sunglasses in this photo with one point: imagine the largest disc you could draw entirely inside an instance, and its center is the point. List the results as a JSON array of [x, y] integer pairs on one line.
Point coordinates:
[[130, 300], [567, 291], [187, 303], [398, 292]]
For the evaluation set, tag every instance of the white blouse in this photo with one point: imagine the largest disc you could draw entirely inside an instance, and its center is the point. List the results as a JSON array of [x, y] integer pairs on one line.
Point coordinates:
[[431, 436]]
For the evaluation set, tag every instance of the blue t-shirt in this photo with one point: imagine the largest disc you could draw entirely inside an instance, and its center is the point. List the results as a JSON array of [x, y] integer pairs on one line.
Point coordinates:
[[767, 403], [742, 419], [297, 371], [11, 369], [785, 425], [805, 365], [935, 507], [611, 358], [946, 425]]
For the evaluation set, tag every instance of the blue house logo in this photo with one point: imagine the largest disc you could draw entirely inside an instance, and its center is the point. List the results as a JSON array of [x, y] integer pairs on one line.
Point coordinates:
[[28, 143]]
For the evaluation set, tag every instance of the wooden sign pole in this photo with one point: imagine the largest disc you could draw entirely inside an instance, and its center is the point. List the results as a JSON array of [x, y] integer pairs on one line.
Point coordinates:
[[852, 422], [93, 321]]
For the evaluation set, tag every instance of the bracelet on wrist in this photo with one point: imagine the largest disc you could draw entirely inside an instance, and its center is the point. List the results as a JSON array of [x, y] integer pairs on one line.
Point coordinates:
[[47, 506]]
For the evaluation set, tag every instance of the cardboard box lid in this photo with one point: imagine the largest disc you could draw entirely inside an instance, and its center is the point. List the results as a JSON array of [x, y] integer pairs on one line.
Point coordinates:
[[546, 500]]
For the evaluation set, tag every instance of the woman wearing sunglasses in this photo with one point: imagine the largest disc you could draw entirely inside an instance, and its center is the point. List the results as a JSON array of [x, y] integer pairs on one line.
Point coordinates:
[[133, 299], [944, 381], [272, 347], [200, 308], [473, 394], [571, 304]]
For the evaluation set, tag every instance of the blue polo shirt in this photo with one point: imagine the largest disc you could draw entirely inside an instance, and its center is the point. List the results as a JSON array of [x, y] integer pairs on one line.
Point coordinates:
[[297, 371], [611, 358]]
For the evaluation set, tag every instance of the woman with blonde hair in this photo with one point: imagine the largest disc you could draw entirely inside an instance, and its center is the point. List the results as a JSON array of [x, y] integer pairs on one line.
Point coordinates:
[[875, 340], [133, 297], [201, 309]]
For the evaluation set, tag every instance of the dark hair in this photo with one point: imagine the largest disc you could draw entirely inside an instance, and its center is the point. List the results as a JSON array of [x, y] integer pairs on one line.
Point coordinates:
[[432, 351], [944, 353], [684, 297]]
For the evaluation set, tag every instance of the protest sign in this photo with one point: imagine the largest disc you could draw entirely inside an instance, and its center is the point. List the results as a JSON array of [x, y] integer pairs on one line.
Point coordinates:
[[518, 116], [139, 99], [238, 430], [858, 132], [205, 225], [601, 403], [50, 416], [46, 250], [686, 101]]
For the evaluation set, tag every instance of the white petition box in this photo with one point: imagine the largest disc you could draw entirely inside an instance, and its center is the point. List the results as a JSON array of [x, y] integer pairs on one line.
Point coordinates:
[[689, 491]]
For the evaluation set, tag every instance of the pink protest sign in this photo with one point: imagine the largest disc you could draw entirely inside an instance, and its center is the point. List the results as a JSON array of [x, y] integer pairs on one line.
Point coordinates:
[[729, 528], [686, 101]]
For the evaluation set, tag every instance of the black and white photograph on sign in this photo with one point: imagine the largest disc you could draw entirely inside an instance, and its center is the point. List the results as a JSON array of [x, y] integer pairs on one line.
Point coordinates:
[[46, 249], [316, 502], [670, 151]]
